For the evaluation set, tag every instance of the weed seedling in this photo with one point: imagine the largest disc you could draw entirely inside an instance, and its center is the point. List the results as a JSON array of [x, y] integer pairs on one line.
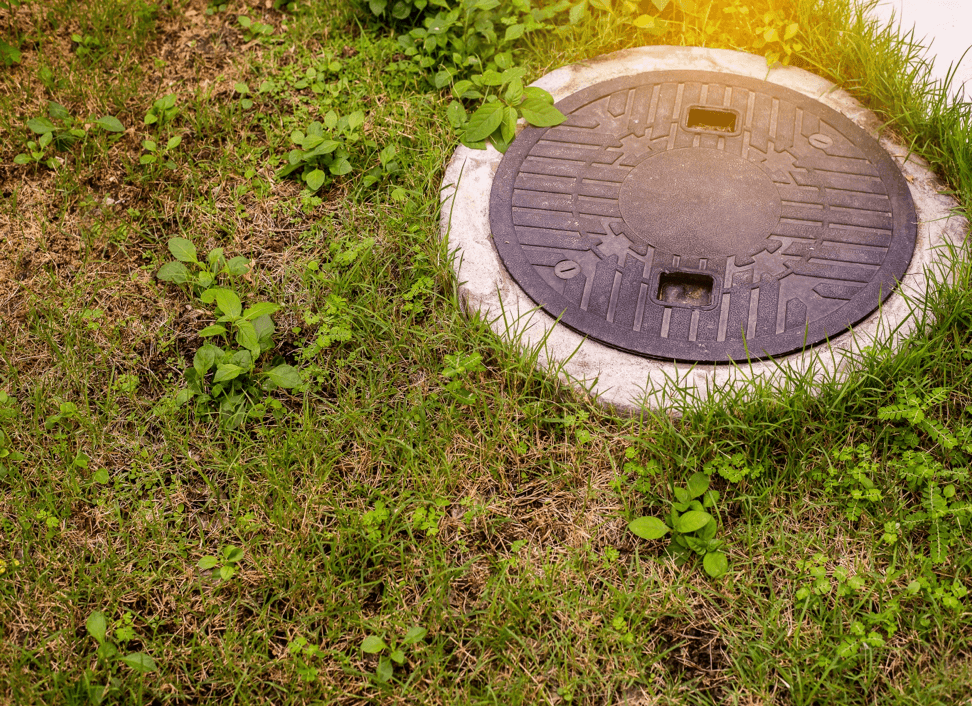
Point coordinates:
[[692, 528], [228, 562], [97, 627], [253, 29], [324, 149], [391, 654], [162, 111], [155, 153], [59, 131]]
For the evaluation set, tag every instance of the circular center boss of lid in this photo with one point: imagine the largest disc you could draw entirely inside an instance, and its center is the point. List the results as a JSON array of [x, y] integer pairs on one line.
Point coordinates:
[[701, 202], [702, 217]]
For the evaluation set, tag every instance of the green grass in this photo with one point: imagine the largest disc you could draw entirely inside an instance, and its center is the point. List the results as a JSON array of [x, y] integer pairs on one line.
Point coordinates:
[[492, 512]]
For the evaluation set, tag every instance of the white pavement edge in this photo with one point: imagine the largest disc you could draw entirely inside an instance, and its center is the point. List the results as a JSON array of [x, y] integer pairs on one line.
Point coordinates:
[[628, 382]]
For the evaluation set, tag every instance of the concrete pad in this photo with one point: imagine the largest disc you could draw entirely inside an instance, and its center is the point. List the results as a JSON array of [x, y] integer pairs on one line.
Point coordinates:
[[944, 27], [628, 382]]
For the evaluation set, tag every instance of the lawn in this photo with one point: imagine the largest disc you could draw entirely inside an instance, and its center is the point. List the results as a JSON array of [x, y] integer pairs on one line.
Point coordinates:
[[253, 451]]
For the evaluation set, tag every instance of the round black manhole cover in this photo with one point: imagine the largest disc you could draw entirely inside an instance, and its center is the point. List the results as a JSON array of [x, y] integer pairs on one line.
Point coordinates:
[[699, 216]]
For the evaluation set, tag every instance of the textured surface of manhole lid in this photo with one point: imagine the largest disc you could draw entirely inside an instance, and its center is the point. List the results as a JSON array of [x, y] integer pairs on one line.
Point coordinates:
[[696, 216]]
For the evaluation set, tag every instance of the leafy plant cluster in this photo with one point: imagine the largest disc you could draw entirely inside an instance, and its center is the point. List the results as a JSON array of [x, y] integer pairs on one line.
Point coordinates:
[[8, 455], [464, 36], [693, 529], [108, 654], [734, 468], [232, 383], [332, 322], [324, 151], [58, 131], [505, 100], [771, 32], [848, 476], [391, 653], [227, 562], [910, 489], [391, 10], [253, 29]]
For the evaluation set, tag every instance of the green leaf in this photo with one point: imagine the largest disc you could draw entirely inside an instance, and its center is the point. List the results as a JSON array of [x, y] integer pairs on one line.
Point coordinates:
[[539, 94], [285, 376], [204, 359], [107, 651], [648, 527], [540, 114], [207, 563], [214, 330], [237, 266], [373, 644], [715, 564], [247, 337], [398, 657], [227, 572], [315, 179], [173, 142], [100, 476], [147, 159], [173, 272], [9, 54], [228, 302], [693, 520], [110, 123], [577, 12], [698, 484], [340, 167], [139, 661], [456, 114], [182, 250], [385, 670], [232, 554], [514, 92], [414, 635], [484, 121], [508, 126], [97, 626], [40, 125], [492, 78], [460, 87], [227, 371], [260, 309]]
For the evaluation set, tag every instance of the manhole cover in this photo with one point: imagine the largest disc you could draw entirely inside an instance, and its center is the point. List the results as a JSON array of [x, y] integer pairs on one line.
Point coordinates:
[[699, 216]]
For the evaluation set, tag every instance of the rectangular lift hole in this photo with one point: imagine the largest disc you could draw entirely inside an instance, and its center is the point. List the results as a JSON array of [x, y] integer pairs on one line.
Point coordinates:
[[685, 289], [711, 119]]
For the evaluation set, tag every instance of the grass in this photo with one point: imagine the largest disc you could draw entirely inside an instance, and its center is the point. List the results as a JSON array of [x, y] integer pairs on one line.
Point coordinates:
[[490, 506]]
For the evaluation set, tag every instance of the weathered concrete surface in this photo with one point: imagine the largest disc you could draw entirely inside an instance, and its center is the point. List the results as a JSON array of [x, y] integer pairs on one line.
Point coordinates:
[[628, 382]]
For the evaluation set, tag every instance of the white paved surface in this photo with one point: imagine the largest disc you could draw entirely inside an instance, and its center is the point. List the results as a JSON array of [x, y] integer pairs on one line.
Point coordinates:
[[944, 26]]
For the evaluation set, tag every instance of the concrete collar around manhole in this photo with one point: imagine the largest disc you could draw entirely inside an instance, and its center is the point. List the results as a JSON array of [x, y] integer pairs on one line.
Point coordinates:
[[696, 224]]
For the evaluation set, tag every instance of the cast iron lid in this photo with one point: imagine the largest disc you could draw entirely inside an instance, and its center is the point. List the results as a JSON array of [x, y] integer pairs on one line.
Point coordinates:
[[697, 216]]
